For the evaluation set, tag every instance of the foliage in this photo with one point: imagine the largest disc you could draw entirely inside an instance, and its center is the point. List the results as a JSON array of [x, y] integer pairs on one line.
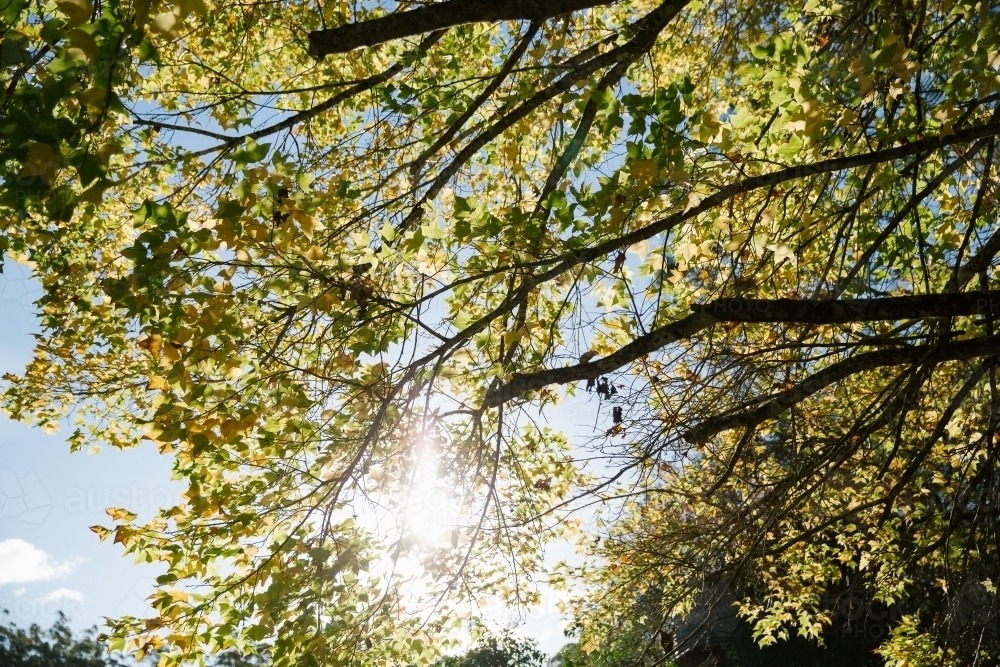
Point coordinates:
[[234, 659], [498, 650], [336, 290], [55, 647], [58, 647]]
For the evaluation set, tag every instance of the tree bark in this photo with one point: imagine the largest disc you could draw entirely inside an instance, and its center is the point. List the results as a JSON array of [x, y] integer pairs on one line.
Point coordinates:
[[436, 17], [815, 311], [774, 311]]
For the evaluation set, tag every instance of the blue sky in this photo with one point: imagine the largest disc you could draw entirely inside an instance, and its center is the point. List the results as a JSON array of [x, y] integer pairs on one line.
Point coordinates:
[[49, 559]]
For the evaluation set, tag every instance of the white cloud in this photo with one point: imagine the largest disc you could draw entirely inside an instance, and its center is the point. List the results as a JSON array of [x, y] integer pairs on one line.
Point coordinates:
[[21, 562], [63, 594]]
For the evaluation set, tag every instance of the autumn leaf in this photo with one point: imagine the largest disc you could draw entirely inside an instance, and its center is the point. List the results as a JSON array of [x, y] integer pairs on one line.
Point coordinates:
[[333, 267]]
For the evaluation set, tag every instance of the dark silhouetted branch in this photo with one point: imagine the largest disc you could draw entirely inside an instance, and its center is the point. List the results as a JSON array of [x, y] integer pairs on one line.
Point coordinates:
[[903, 355], [851, 310], [776, 311], [437, 16]]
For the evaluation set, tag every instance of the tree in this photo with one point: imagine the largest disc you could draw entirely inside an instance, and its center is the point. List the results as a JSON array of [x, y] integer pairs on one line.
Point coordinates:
[[55, 647], [58, 647], [337, 258], [498, 650]]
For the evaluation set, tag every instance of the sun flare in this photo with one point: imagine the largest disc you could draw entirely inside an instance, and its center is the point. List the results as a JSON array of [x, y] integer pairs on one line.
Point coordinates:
[[432, 511]]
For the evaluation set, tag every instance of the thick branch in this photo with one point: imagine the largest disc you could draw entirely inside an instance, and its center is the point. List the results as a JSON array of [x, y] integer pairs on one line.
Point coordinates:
[[562, 264], [815, 311], [981, 260], [904, 355], [643, 35], [654, 340], [787, 311], [771, 179], [438, 16]]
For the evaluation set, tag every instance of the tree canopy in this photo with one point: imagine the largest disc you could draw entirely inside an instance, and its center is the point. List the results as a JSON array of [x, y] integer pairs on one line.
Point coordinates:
[[337, 258], [498, 650], [59, 647], [55, 647]]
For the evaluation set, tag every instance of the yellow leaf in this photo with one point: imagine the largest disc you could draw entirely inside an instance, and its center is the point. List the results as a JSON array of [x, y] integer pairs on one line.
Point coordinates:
[[82, 46], [165, 24], [315, 254], [77, 11], [101, 531], [120, 514], [343, 362], [93, 98], [679, 176], [783, 252], [709, 127], [192, 7], [644, 172], [512, 337], [692, 201], [307, 223], [617, 216], [141, 12], [122, 535], [866, 81], [43, 161], [178, 596], [153, 343], [641, 249]]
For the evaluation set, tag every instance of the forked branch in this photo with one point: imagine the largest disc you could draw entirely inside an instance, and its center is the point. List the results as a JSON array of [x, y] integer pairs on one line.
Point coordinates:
[[760, 311], [903, 355]]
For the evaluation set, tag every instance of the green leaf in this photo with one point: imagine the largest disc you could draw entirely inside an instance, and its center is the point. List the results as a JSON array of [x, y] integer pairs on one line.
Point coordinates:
[[413, 245], [53, 31], [320, 554], [147, 53], [229, 210], [63, 65], [304, 180], [791, 147], [250, 152], [60, 204], [11, 9], [763, 51], [13, 52]]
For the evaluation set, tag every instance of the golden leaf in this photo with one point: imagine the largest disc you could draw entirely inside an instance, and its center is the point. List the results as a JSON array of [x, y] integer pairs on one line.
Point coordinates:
[[77, 11]]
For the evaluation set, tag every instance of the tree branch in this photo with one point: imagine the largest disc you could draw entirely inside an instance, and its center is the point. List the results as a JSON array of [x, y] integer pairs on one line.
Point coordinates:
[[331, 102], [654, 340], [453, 128], [643, 32], [786, 311], [438, 16], [815, 311], [568, 261], [907, 354]]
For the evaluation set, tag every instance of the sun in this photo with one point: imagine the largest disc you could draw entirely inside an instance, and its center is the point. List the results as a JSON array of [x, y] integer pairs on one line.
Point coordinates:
[[432, 511]]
